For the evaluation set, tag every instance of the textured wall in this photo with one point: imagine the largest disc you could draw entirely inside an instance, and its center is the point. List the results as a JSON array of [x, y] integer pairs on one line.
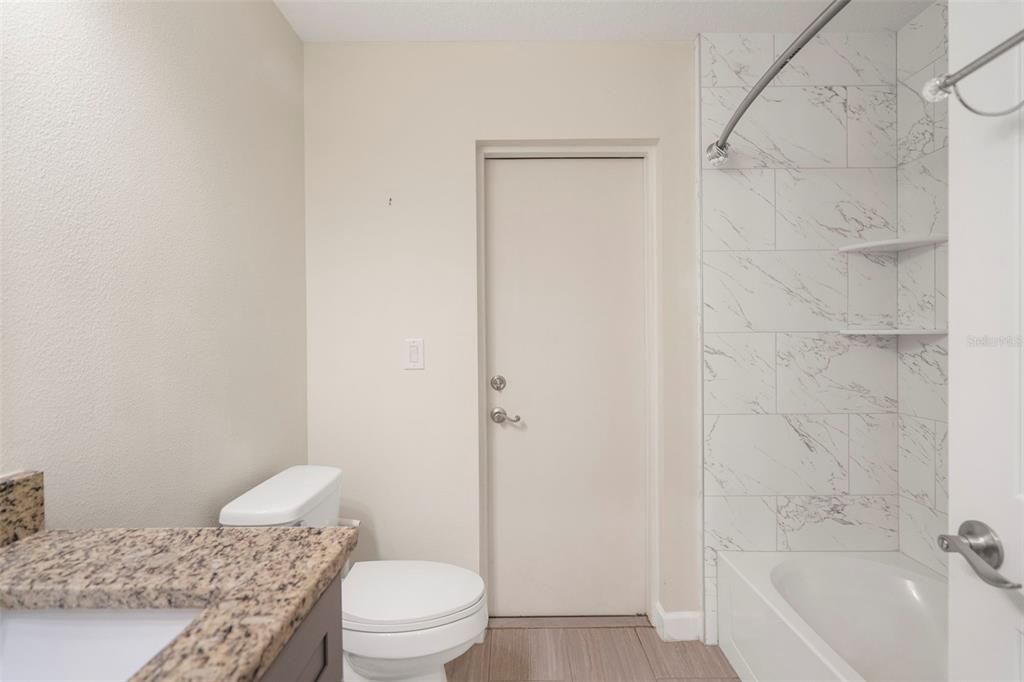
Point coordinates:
[[923, 190], [153, 266], [800, 425]]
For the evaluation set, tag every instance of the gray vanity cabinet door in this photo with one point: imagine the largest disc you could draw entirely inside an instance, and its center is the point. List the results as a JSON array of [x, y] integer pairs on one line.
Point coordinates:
[[313, 654]]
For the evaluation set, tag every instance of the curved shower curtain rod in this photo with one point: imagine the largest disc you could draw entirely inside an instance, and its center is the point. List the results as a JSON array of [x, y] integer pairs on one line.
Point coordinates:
[[935, 90], [718, 151]]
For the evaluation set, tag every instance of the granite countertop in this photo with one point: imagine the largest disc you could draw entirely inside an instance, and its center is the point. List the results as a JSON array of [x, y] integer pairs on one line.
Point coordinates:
[[255, 586]]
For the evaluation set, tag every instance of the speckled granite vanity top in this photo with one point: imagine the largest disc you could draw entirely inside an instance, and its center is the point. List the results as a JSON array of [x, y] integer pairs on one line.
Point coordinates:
[[255, 586]]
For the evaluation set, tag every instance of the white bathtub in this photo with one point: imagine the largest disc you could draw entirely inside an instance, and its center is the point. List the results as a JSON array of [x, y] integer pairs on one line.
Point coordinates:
[[831, 616]]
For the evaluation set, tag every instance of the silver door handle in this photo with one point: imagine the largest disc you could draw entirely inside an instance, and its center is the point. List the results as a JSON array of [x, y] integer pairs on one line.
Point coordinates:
[[499, 416], [980, 545]]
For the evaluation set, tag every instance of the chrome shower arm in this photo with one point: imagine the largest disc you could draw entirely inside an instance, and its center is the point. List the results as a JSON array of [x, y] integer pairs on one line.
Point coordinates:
[[718, 148]]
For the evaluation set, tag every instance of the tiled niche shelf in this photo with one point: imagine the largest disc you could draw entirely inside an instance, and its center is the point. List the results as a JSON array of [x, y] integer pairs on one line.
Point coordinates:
[[890, 245], [893, 332]]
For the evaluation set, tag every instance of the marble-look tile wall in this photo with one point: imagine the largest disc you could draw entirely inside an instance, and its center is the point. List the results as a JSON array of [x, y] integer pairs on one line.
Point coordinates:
[[801, 424], [922, 282], [815, 440]]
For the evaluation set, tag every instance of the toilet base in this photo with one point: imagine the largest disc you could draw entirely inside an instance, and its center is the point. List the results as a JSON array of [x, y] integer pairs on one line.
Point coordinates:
[[350, 675]]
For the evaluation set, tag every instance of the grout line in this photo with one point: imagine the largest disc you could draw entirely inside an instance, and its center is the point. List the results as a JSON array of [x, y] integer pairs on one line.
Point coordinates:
[[805, 86], [833, 332], [775, 364], [778, 522], [775, 208], [647, 657], [569, 665], [811, 414], [797, 169], [848, 288], [846, 111], [795, 495], [799, 414], [833, 250], [900, 162], [849, 456]]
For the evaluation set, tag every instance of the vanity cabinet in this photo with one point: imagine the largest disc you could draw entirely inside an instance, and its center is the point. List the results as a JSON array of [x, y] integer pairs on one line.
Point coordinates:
[[313, 654]]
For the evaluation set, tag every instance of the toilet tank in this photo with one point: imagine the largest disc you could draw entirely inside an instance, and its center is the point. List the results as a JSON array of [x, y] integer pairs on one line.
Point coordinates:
[[304, 495]]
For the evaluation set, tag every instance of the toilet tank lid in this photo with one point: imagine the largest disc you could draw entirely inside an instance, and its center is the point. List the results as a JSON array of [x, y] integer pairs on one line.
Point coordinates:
[[284, 498]]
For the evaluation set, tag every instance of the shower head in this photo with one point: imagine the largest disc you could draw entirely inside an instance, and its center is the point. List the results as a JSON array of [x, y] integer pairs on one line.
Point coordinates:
[[717, 154]]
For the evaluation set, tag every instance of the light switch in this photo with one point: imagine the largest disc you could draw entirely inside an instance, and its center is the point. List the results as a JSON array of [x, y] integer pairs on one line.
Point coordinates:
[[413, 354]]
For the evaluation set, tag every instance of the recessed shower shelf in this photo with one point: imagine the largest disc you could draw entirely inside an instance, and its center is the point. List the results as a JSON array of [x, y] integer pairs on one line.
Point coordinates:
[[890, 245], [892, 332]]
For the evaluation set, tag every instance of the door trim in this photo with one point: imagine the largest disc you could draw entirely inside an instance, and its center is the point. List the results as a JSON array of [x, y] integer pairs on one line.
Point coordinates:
[[646, 151]]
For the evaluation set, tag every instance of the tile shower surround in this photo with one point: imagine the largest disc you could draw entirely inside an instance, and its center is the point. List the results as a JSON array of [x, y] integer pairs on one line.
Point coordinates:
[[922, 179], [804, 427]]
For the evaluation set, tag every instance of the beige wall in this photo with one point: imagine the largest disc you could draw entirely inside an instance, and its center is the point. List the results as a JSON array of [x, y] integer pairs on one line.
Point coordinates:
[[391, 133], [153, 255]]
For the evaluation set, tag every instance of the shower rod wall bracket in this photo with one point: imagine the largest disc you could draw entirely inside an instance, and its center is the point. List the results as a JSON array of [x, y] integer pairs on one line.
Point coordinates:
[[933, 91], [717, 154], [939, 88]]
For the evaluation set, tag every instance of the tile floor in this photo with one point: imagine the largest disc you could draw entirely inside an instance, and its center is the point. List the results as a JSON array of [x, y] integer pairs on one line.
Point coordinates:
[[618, 649]]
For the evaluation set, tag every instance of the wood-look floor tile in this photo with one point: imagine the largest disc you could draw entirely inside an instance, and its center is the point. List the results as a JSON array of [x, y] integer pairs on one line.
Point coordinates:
[[607, 655], [570, 622], [518, 655], [684, 660], [472, 665]]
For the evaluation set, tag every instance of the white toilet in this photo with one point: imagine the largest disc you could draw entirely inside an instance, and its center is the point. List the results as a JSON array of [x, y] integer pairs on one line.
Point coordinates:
[[401, 620]]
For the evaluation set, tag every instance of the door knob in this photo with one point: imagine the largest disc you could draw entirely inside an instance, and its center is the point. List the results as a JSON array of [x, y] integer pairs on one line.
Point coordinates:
[[980, 545], [500, 416]]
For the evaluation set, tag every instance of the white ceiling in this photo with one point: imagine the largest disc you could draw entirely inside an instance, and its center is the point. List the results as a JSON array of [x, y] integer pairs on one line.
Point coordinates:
[[428, 20]]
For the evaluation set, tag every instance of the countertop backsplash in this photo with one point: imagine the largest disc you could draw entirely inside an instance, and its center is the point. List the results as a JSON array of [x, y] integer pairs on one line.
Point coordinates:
[[21, 505]]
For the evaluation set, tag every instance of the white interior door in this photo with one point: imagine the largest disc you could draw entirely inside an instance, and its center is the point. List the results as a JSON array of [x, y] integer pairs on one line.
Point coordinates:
[[564, 271], [986, 304]]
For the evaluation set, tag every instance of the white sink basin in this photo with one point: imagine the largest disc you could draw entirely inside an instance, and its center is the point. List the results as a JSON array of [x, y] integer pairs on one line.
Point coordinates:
[[84, 644]]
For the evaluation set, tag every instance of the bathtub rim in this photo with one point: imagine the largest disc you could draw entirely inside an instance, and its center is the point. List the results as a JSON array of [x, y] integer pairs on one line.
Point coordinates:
[[755, 570]]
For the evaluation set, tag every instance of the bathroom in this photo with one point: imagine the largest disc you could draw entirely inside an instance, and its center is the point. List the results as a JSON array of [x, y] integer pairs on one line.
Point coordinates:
[[511, 341]]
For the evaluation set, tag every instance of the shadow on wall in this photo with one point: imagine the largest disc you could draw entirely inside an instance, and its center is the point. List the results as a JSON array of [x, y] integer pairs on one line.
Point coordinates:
[[368, 548]]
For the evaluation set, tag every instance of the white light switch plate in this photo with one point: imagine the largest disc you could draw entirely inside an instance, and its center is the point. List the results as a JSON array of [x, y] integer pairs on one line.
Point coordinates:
[[412, 354]]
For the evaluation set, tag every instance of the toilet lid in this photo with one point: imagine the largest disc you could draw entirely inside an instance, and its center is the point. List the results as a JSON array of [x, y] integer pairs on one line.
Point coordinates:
[[397, 593]]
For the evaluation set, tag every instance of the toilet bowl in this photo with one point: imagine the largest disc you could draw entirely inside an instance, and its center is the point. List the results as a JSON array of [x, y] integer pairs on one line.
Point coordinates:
[[401, 620]]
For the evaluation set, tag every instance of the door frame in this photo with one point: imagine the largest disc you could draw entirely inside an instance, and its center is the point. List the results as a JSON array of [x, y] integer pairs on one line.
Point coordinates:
[[646, 151], [986, 321]]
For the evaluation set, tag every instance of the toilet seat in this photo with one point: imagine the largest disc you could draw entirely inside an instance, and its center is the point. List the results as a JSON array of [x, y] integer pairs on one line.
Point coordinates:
[[404, 620], [457, 636], [407, 596], [356, 626]]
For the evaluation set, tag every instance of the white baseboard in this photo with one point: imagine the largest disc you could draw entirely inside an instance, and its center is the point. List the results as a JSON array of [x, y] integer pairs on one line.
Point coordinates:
[[677, 626]]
